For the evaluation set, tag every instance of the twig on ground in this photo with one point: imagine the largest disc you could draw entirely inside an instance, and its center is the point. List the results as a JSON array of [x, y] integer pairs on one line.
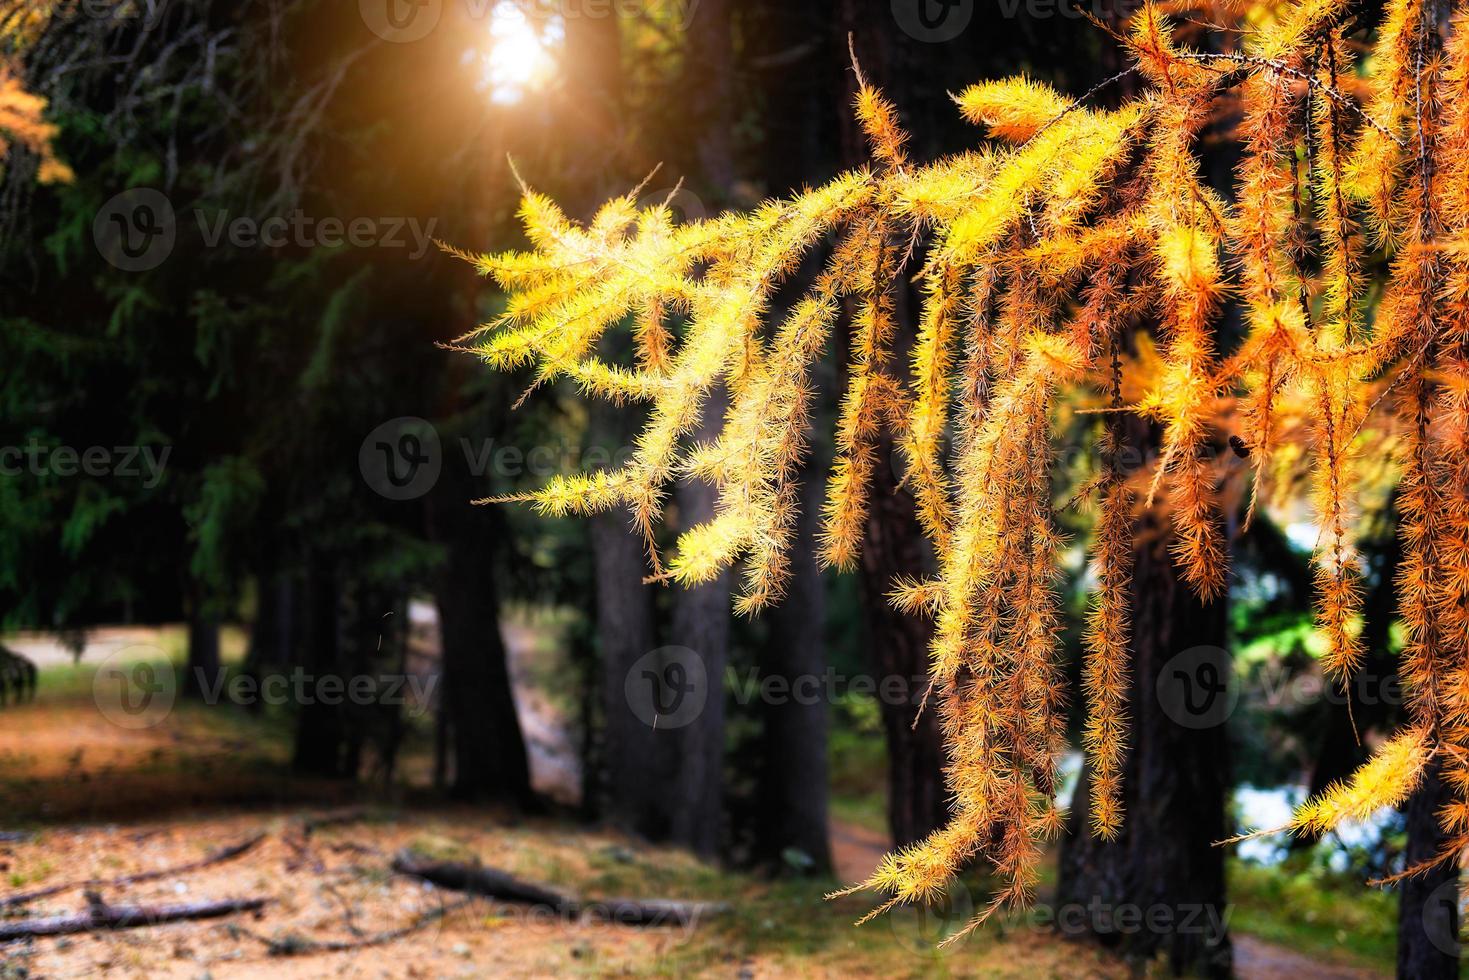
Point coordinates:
[[297, 945], [349, 919], [493, 883], [216, 857], [100, 916]]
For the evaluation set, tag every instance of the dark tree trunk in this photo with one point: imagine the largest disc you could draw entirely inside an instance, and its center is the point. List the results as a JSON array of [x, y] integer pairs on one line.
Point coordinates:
[[272, 635], [1428, 905], [793, 777], [628, 786], [693, 753], [1177, 775], [488, 748], [1176, 781], [700, 621], [917, 797], [320, 727], [894, 544], [202, 674], [663, 774], [631, 795], [484, 736], [375, 727], [792, 63], [708, 87], [441, 743]]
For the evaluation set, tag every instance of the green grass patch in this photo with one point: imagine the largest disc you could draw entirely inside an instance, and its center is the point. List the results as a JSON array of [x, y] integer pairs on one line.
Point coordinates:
[[1314, 911]]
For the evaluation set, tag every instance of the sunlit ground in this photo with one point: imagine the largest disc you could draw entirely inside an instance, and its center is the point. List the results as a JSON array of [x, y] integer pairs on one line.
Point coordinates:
[[91, 793]]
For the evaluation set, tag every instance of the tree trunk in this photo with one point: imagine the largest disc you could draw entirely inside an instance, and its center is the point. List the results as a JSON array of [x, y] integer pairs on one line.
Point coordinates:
[[441, 743], [631, 790], [917, 797], [484, 736], [693, 753], [1164, 863], [708, 86], [664, 754], [625, 633], [894, 543], [1428, 905], [1176, 778], [204, 664], [320, 728], [793, 777], [625, 629], [628, 790], [272, 634], [484, 731]]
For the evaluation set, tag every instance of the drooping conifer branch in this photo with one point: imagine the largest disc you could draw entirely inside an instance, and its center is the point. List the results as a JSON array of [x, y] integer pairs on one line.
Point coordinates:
[[1074, 249]]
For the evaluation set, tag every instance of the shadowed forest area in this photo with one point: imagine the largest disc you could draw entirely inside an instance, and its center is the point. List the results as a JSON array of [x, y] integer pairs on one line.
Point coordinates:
[[634, 487]]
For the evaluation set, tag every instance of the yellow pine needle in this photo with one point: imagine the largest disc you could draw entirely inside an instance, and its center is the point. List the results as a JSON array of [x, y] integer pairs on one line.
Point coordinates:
[[1042, 256]]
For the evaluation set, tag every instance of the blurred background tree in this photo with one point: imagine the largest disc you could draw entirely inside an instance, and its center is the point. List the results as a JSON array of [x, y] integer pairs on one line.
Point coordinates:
[[255, 375]]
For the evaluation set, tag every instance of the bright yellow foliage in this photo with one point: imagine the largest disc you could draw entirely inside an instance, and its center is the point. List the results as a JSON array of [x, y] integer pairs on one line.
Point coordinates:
[[1387, 779], [22, 122], [1041, 256]]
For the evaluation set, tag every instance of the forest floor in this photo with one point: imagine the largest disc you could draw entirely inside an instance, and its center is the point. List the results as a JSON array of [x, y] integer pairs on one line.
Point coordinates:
[[92, 800]]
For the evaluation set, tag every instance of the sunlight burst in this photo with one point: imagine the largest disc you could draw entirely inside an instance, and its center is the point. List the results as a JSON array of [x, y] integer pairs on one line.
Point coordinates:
[[519, 57]]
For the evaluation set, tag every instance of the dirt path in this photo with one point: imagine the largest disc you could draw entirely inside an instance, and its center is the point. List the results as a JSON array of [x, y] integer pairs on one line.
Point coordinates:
[[1255, 959], [555, 761], [334, 887], [856, 850], [61, 762]]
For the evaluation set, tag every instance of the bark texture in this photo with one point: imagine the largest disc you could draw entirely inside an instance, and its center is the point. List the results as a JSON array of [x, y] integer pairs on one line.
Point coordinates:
[[1176, 782], [1428, 905], [793, 777]]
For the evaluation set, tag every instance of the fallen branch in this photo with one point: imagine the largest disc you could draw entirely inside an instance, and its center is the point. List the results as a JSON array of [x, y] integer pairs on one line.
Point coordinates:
[[295, 945], [299, 840], [478, 880], [301, 847], [492, 883], [100, 915], [215, 857]]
